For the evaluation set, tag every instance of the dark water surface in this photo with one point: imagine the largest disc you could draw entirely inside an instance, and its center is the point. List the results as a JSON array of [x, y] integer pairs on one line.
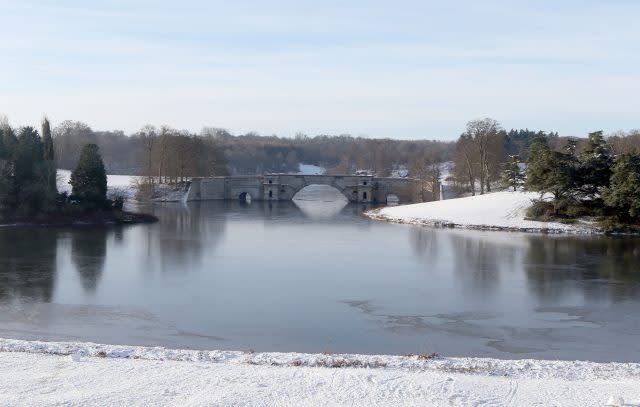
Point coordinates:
[[314, 277]]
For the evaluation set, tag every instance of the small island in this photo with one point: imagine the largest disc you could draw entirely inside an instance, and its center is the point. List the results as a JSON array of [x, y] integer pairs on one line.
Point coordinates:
[[28, 191]]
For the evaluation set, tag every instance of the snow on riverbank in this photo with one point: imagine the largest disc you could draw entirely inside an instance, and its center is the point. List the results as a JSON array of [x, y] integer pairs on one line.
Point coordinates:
[[37, 373], [123, 184], [495, 211]]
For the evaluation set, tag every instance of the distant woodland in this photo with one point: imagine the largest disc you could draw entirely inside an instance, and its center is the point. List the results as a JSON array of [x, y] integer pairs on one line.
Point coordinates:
[[481, 154]]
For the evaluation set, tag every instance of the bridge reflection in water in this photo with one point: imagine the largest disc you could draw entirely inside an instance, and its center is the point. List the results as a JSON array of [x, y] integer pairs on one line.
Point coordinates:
[[320, 201]]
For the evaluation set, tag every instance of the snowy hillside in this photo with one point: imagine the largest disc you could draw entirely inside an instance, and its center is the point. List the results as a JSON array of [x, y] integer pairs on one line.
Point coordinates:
[[498, 210]]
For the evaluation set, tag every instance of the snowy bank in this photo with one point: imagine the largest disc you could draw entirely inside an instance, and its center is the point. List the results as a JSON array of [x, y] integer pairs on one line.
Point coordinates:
[[121, 184], [494, 211], [37, 373], [125, 185]]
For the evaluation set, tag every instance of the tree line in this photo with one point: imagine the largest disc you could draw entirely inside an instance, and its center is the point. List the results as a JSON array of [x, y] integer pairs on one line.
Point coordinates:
[[171, 155]]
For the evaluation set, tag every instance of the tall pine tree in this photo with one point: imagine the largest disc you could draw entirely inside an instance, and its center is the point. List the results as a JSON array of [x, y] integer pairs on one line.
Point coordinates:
[[49, 157]]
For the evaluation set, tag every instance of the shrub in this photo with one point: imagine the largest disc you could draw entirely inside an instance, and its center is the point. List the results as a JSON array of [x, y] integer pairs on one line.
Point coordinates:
[[540, 210]]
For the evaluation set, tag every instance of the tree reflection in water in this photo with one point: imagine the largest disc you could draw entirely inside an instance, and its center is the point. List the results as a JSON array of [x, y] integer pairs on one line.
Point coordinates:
[[556, 266], [27, 264], [88, 252]]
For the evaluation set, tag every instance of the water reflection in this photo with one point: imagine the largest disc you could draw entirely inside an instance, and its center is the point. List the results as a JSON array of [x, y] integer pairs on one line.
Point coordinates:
[[88, 253], [27, 264], [555, 265], [184, 233], [278, 276]]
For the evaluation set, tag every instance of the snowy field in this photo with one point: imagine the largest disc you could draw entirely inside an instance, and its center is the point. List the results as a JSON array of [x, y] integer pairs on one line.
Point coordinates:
[[49, 373], [116, 183], [498, 210]]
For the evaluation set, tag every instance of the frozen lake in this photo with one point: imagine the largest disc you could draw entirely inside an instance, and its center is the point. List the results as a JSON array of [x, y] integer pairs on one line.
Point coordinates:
[[318, 276]]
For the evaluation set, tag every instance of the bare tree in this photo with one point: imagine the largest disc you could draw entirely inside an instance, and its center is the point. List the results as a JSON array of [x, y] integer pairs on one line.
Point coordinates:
[[483, 133], [465, 160], [148, 135]]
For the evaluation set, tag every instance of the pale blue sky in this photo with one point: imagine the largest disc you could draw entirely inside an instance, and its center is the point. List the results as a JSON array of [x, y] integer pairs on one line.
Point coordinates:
[[399, 69]]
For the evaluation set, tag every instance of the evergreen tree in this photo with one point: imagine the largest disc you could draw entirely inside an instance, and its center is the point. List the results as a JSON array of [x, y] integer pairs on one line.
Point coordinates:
[[4, 151], [47, 141], [9, 140], [623, 194], [25, 181], [512, 176], [595, 166], [89, 178], [538, 165], [49, 157], [550, 172], [27, 155]]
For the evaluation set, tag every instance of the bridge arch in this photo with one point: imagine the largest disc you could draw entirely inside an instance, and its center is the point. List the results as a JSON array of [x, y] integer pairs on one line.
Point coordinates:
[[245, 197], [319, 192]]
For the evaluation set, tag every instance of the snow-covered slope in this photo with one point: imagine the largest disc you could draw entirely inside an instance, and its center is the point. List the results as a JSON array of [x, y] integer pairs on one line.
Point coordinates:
[[41, 373], [498, 210]]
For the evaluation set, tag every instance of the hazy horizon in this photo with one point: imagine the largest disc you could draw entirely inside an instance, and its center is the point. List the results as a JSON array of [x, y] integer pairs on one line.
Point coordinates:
[[414, 70]]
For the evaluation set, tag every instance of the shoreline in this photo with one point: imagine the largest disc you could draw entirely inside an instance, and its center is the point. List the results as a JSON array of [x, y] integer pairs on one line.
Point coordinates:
[[498, 211], [443, 224], [77, 373], [91, 219], [515, 368]]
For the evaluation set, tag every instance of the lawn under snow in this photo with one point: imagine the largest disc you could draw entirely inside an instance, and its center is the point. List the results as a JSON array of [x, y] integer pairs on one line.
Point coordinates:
[[50, 373], [498, 210]]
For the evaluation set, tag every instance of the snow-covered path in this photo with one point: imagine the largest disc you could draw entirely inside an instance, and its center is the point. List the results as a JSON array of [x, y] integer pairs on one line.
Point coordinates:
[[38, 373], [498, 210]]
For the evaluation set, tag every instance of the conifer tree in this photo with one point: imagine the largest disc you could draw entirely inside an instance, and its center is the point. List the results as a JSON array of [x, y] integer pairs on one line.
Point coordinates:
[[595, 166], [4, 152], [623, 194], [47, 141], [550, 172], [89, 178], [512, 175], [27, 154], [49, 157], [538, 165]]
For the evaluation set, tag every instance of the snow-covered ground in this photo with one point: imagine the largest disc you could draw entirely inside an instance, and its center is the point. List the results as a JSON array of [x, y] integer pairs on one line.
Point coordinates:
[[309, 169], [498, 210], [123, 184], [49, 373]]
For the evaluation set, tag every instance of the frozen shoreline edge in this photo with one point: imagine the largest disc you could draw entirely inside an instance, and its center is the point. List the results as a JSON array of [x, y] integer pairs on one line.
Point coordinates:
[[524, 368], [444, 224]]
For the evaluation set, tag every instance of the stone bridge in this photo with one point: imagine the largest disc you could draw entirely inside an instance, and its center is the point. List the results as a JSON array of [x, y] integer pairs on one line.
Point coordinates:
[[283, 187]]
